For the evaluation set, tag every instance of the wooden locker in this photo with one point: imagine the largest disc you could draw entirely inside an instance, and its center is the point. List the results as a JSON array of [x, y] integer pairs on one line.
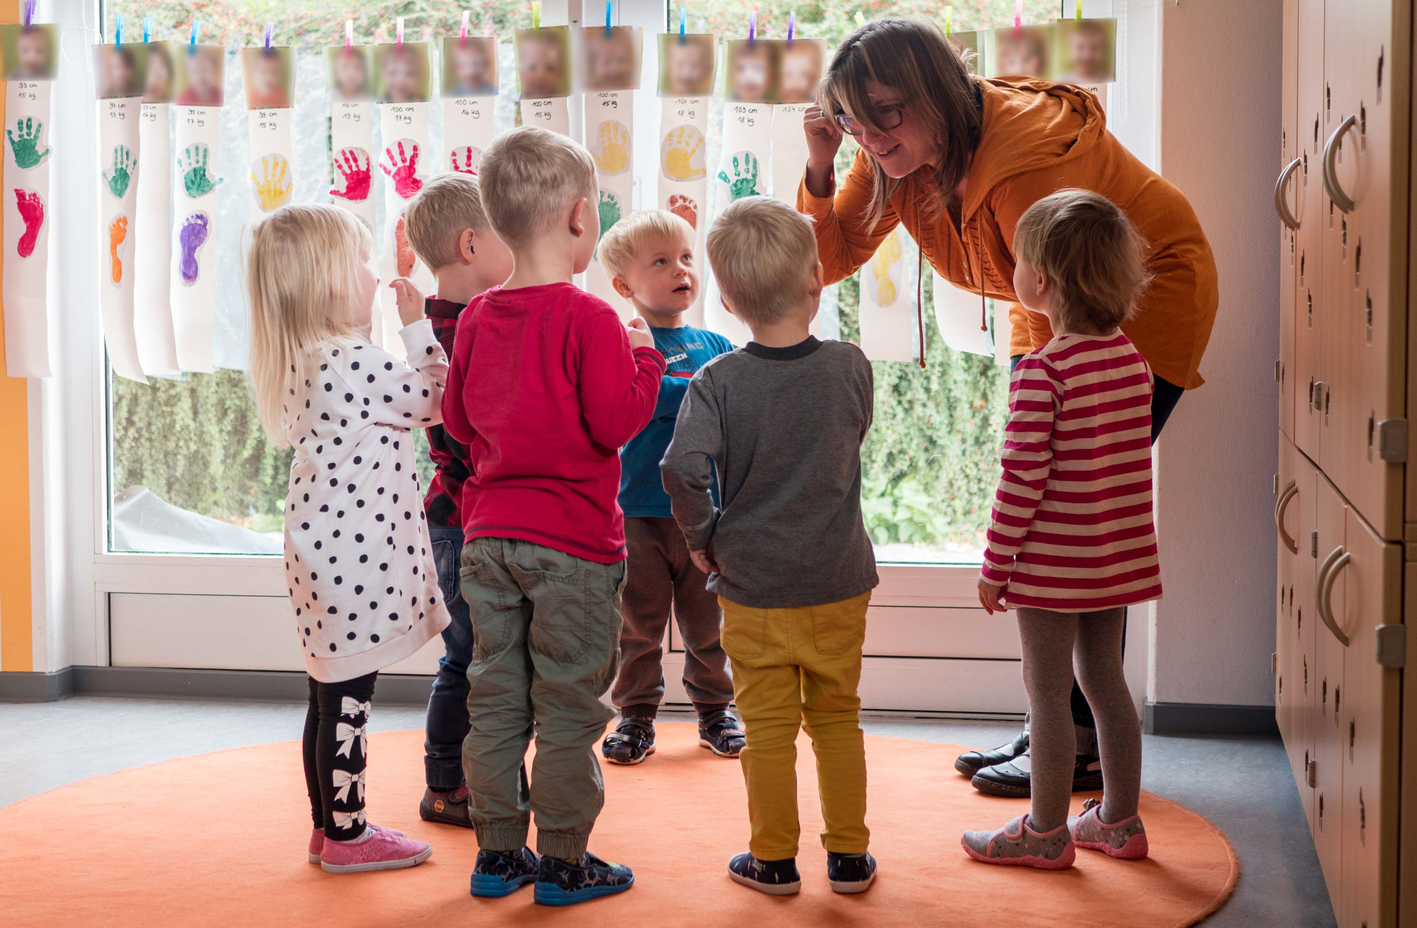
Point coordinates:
[[1338, 234], [1303, 662], [1288, 692], [1329, 739], [1407, 786], [1309, 238], [1285, 205], [1370, 724]]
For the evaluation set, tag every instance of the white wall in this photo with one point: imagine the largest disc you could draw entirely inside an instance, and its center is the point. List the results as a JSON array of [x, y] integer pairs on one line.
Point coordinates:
[[1219, 124]]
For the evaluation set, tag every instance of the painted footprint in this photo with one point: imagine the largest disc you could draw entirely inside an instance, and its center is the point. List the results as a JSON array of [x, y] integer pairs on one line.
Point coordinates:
[[680, 149], [191, 239], [403, 251], [31, 207], [273, 189], [117, 235], [744, 182], [685, 208], [609, 210], [612, 148], [887, 254]]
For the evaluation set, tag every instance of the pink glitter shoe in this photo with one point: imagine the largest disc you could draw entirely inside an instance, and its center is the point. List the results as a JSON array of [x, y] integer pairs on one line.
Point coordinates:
[[1018, 845], [384, 850], [317, 844], [1126, 840]]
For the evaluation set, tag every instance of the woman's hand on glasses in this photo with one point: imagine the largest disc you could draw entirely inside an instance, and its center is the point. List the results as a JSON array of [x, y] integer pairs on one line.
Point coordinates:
[[823, 140]]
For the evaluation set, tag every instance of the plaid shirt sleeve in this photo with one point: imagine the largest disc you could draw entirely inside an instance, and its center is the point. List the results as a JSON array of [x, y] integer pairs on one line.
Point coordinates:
[[442, 503]]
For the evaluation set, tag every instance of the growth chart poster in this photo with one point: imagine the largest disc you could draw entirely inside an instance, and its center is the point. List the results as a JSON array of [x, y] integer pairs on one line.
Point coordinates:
[[193, 276], [683, 173], [119, 143], [404, 165], [609, 132], [28, 326]]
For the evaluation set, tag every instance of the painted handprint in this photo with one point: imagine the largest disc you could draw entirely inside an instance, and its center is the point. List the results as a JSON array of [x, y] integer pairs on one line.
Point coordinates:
[[403, 252], [191, 239], [26, 147], [356, 174], [124, 164], [744, 182], [403, 170], [117, 235], [31, 207], [612, 148], [685, 208], [273, 189], [192, 163], [887, 254], [471, 159], [681, 147]]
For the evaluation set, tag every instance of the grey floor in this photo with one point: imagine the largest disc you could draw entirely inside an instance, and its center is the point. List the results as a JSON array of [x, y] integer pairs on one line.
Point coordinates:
[[1243, 785]]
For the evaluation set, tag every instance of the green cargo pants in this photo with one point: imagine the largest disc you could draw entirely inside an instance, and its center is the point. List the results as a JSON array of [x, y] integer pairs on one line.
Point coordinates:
[[546, 627]]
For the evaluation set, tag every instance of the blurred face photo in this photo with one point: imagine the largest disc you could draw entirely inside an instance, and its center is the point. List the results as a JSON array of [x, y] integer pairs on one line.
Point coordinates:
[[1087, 46], [349, 73], [541, 62], [1021, 52], [687, 69], [199, 76], [118, 71], [30, 52], [266, 77], [404, 73], [469, 66], [612, 61], [158, 86], [751, 67], [801, 71]]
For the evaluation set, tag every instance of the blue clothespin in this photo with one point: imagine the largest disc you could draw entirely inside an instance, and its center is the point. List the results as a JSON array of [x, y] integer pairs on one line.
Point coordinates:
[[609, 7], [118, 31], [683, 24], [147, 29], [192, 42]]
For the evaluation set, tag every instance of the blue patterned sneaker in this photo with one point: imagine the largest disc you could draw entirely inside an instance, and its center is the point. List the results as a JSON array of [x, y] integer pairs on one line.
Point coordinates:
[[496, 874], [631, 741], [720, 732], [850, 873], [774, 877], [563, 883]]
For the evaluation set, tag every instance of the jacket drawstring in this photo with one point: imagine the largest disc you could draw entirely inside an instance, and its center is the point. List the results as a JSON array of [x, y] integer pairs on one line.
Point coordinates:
[[920, 300]]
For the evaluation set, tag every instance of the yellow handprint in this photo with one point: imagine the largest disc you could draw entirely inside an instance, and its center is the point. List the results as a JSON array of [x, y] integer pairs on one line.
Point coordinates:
[[680, 147], [272, 188], [612, 150], [886, 255]]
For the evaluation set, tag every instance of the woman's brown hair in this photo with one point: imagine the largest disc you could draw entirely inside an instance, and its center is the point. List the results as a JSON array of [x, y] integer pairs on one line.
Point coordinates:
[[911, 56]]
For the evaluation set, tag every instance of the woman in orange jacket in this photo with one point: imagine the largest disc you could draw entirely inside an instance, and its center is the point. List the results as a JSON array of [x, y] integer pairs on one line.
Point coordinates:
[[957, 159]]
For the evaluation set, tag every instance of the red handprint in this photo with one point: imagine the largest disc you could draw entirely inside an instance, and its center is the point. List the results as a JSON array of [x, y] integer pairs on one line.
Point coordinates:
[[685, 208], [356, 176], [403, 170], [472, 157], [32, 212], [403, 251]]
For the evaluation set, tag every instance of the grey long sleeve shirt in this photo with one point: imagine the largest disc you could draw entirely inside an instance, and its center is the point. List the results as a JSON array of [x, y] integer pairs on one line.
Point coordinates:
[[783, 427]]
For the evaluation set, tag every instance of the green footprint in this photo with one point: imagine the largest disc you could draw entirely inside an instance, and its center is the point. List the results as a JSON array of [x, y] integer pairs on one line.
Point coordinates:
[[122, 176], [26, 147], [609, 210], [744, 182], [193, 165]]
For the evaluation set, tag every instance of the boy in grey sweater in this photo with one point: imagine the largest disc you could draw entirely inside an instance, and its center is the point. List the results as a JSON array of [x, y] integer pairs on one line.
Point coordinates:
[[782, 421]]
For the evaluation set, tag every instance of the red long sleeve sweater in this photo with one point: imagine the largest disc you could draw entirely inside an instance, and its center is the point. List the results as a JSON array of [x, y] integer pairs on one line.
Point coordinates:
[[543, 390]]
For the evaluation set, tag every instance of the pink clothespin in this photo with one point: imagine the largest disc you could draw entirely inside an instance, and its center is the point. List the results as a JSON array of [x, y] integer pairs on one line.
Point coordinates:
[[398, 30], [349, 36], [462, 33]]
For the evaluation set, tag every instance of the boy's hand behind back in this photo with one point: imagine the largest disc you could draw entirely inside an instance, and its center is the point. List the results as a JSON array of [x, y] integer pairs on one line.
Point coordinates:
[[640, 336], [703, 562], [409, 300]]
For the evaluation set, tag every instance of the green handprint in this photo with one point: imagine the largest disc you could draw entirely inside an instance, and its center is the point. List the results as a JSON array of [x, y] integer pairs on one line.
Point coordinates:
[[26, 147], [744, 182], [123, 167], [193, 165]]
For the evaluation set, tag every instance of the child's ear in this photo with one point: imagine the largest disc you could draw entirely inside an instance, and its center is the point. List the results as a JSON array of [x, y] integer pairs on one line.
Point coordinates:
[[1044, 284], [817, 284], [726, 308], [577, 224], [621, 287], [467, 246]]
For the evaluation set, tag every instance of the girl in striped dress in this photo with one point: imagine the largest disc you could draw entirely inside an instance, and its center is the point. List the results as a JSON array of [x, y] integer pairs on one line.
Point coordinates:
[[1071, 542]]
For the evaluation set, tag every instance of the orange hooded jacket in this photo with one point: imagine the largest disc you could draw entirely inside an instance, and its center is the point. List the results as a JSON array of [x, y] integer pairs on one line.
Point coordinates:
[[1039, 137]]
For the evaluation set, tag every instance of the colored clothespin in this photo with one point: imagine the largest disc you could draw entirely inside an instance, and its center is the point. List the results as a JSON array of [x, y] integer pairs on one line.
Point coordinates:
[[270, 31], [118, 31], [860, 20], [791, 24], [536, 14], [462, 32], [398, 30], [192, 42], [1077, 12], [609, 9], [752, 26], [147, 29], [349, 35], [29, 12], [949, 20], [683, 24], [1018, 16]]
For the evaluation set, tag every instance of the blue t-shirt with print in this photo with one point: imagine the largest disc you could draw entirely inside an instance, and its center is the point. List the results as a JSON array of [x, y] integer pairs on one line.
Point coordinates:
[[685, 350]]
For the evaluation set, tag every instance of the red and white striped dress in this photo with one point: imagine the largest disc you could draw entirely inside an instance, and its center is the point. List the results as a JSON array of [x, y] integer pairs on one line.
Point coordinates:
[[1072, 528]]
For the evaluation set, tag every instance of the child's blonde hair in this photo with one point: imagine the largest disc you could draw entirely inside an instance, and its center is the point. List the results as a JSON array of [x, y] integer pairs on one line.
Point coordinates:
[[630, 236], [301, 271], [436, 218], [762, 252], [530, 177], [1090, 251]]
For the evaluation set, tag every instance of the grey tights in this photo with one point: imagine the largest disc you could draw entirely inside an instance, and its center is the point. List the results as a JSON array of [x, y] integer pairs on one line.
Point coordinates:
[[1052, 643]]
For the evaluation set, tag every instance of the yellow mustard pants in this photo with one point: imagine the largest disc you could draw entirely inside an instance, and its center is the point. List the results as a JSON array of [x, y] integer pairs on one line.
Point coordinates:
[[792, 668]]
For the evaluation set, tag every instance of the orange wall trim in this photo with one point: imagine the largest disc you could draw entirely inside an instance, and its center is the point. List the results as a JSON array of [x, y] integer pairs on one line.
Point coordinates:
[[16, 613]]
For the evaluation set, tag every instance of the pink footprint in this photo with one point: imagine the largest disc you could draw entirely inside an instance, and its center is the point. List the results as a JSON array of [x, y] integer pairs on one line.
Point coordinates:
[[31, 208]]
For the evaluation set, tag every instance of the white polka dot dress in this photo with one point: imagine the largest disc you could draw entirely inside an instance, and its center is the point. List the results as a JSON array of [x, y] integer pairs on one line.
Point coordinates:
[[357, 558]]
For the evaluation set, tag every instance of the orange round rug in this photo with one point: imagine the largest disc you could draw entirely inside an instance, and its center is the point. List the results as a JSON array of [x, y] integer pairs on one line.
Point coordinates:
[[219, 839]]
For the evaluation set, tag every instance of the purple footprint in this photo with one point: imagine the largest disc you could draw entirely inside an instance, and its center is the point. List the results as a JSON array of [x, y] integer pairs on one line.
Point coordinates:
[[192, 237]]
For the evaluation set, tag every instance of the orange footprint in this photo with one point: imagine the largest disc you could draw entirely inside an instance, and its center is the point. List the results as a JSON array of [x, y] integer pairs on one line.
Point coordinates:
[[117, 234], [403, 250]]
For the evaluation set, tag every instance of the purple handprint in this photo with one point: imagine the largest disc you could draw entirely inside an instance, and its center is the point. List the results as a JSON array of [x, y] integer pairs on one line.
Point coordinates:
[[192, 237]]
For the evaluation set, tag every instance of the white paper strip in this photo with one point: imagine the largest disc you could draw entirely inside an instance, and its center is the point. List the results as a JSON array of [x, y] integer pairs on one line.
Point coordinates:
[[193, 279], [272, 174], [888, 323], [26, 240], [353, 163], [467, 131], [118, 148], [789, 150], [609, 132], [404, 165], [152, 245], [683, 175], [743, 171], [548, 113], [957, 318]]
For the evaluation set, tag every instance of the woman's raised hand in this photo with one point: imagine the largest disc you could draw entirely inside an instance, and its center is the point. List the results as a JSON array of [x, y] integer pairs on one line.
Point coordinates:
[[823, 137]]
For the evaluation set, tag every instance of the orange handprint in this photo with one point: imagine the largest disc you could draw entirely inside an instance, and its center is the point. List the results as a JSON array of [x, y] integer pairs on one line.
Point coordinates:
[[685, 208], [117, 235], [403, 252]]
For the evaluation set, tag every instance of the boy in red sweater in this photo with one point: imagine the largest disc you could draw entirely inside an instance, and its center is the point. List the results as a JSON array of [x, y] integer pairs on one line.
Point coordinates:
[[546, 384]]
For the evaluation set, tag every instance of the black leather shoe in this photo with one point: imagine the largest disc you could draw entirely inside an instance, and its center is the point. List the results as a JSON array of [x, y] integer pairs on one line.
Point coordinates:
[[971, 762], [1011, 779]]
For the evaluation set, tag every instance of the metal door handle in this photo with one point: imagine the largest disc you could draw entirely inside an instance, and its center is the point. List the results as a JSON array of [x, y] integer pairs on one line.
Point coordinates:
[[1291, 490], [1340, 199], [1281, 201], [1323, 587]]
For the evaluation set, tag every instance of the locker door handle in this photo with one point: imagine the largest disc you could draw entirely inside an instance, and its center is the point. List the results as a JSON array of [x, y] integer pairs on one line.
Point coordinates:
[[1340, 199], [1291, 489], [1281, 199], [1323, 588]]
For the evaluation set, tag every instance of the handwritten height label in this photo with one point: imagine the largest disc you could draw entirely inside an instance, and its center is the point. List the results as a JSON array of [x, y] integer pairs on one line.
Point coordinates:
[[549, 113], [351, 112], [745, 114], [266, 120], [195, 116], [400, 115]]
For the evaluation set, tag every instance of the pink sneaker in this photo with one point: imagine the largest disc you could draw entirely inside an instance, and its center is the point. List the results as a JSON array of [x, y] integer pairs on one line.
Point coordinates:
[[1126, 840], [1018, 845], [384, 850], [317, 844]]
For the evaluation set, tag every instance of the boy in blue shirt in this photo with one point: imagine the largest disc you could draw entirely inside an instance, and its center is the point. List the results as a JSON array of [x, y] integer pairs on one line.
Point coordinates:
[[650, 257]]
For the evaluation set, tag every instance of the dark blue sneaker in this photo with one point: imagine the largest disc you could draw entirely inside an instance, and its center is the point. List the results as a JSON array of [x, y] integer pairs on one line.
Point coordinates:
[[496, 874], [562, 883], [631, 741], [850, 873], [774, 877]]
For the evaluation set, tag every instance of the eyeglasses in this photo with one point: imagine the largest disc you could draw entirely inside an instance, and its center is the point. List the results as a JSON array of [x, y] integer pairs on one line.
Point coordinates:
[[887, 117]]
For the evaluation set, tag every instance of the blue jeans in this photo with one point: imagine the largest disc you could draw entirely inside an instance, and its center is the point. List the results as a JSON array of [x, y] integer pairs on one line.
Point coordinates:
[[448, 723]]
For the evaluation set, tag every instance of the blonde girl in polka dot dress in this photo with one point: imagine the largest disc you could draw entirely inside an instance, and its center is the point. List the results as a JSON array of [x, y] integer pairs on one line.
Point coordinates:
[[358, 564]]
